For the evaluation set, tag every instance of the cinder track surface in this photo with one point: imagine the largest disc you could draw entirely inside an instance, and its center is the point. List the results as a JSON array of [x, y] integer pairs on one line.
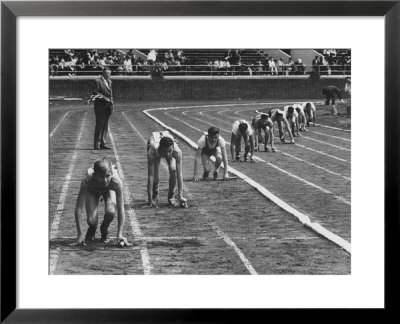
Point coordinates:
[[230, 228]]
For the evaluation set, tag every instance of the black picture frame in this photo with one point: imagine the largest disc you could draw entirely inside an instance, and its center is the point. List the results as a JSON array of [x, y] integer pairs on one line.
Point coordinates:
[[10, 10]]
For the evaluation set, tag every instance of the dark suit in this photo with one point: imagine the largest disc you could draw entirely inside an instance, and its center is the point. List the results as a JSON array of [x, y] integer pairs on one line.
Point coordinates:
[[103, 108], [331, 92]]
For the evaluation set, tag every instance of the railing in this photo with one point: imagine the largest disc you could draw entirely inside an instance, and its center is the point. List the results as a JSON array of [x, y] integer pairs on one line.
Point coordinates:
[[200, 70]]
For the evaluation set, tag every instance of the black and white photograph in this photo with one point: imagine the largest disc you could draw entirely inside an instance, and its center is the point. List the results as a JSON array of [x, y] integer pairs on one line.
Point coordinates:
[[165, 157], [200, 161]]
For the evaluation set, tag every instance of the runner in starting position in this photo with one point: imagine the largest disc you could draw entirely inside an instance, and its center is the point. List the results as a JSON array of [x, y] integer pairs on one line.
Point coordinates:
[[211, 144], [101, 181], [260, 123], [163, 145], [242, 128], [278, 116], [310, 111]]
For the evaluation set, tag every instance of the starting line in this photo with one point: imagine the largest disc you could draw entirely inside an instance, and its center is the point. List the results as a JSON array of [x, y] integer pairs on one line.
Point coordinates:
[[304, 219]]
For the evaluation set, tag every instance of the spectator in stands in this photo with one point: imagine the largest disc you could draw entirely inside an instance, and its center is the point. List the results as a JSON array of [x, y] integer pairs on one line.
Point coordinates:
[[290, 68], [217, 66], [225, 66], [325, 68], [280, 65], [80, 66], [272, 66], [315, 65], [259, 68], [102, 60], [128, 65], [132, 55], [299, 66], [152, 57]]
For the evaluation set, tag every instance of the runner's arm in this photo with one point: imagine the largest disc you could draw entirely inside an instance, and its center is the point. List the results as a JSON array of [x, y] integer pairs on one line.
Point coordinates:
[[150, 178], [196, 163], [225, 160], [233, 137], [179, 176], [121, 211], [80, 203]]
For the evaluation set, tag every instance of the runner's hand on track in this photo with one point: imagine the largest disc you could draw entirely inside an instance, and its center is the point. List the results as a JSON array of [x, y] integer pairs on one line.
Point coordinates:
[[252, 160], [195, 179], [226, 177], [123, 241]]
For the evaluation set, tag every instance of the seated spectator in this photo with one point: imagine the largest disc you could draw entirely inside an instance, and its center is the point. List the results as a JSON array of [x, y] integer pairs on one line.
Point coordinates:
[[151, 57], [217, 66], [291, 68], [325, 69], [315, 65], [300, 68], [128, 65], [280, 66], [259, 67], [225, 66], [102, 60]]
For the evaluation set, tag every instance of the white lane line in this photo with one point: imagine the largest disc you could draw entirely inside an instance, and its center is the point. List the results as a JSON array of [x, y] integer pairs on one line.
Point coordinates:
[[336, 128], [59, 123], [326, 143], [314, 165], [215, 227], [132, 215], [304, 219], [206, 238], [341, 138], [54, 255], [323, 153], [304, 181]]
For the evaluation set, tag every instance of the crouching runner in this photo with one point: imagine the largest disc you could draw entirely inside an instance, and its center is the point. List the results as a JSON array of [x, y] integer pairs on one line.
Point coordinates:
[[310, 111], [260, 123], [100, 181], [209, 145], [162, 145], [242, 128]]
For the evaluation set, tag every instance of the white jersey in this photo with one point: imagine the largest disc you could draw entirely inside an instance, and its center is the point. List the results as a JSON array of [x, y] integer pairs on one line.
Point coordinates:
[[298, 106], [304, 104], [157, 136], [286, 108], [202, 143], [235, 127], [154, 143]]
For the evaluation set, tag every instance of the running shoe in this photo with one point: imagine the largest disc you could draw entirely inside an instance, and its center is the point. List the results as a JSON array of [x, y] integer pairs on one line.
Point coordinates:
[[91, 233], [205, 174], [215, 175], [104, 234]]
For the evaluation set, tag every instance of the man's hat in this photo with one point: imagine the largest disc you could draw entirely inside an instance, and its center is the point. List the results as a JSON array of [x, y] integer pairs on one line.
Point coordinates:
[[213, 130]]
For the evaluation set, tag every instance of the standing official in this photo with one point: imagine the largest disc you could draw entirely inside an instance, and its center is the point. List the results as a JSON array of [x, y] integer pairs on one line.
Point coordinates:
[[331, 93], [103, 108]]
